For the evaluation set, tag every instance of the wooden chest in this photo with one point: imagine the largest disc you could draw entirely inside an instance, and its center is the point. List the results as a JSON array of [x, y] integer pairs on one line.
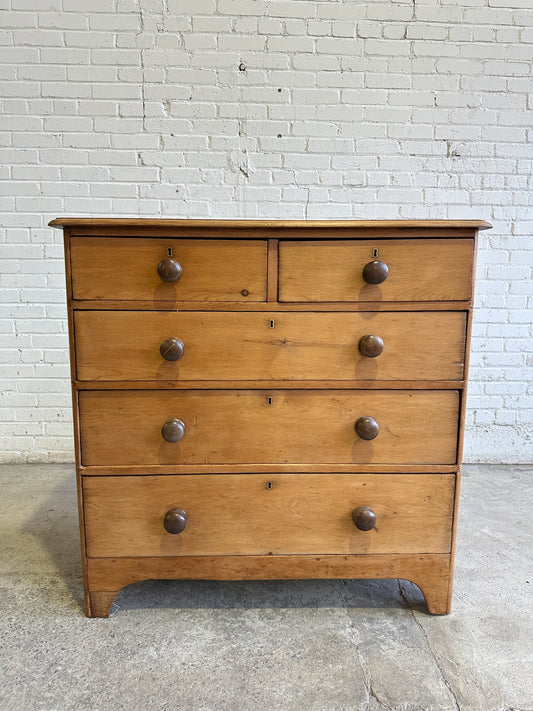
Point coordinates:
[[268, 400]]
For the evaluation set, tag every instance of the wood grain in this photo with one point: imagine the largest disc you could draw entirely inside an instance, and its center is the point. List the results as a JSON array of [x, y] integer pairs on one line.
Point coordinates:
[[241, 426], [431, 572], [142, 469], [235, 442], [268, 515], [272, 384], [124, 345], [206, 225], [211, 306], [427, 270], [126, 269], [272, 271]]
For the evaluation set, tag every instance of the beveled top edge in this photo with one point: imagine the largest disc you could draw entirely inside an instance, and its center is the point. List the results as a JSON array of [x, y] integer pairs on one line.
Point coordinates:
[[270, 224]]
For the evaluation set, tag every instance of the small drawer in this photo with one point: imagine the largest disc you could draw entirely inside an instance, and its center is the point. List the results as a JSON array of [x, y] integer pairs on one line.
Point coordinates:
[[192, 346], [258, 426], [262, 514], [155, 269], [379, 270]]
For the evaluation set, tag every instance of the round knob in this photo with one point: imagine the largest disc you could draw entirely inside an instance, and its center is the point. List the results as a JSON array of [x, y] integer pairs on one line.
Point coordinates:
[[364, 518], [169, 270], [173, 430], [172, 348], [370, 346], [175, 521], [375, 272], [367, 428]]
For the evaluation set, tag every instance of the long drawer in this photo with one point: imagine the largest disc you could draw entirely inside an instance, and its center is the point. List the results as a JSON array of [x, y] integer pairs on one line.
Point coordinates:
[[268, 514], [203, 270], [258, 426], [416, 270], [128, 345]]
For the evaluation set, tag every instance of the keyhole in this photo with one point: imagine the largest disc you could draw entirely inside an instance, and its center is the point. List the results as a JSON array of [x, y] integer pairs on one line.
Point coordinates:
[[271, 323], [269, 401], [375, 252], [269, 485], [169, 251]]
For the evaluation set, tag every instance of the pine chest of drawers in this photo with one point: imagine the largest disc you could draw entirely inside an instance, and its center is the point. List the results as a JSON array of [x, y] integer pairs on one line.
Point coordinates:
[[268, 400]]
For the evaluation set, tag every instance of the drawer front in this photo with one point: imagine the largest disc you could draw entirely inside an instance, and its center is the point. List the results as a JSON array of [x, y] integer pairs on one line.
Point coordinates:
[[418, 270], [127, 269], [126, 345], [259, 426], [268, 514]]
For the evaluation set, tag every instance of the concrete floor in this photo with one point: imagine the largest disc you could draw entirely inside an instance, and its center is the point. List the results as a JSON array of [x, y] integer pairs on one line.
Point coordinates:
[[295, 646]]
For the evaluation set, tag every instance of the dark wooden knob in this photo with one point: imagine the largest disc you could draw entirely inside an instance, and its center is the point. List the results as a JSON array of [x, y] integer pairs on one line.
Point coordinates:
[[375, 272], [370, 346], [173, 430], [367, 428], [175, 521], [169, 270], [364, 518], [172, 348]]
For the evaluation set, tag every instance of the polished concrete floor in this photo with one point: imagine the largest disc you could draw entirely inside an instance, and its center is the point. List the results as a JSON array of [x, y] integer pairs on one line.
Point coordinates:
[[295, 646]]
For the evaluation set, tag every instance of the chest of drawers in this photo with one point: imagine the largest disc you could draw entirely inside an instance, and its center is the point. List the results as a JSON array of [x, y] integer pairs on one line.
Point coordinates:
[[268, 400]]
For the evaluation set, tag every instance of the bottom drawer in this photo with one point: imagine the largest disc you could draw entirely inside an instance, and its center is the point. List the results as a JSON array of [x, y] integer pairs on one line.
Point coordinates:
[[261, 514]]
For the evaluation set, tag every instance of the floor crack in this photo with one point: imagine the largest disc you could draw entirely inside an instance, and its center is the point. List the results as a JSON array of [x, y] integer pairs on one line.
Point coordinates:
[[432, 652], [367, 675]]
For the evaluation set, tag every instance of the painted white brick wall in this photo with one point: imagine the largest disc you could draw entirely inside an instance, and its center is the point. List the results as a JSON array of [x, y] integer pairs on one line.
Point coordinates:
[[263, 108]]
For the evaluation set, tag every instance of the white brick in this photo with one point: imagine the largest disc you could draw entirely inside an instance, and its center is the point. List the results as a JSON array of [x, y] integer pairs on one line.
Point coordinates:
[[336, 46], [387, 12], [63, 20], [380, 113], [294, 27], [113, 56], [318, 162], [427, 31], [42, 72], [291, 45], [38, 38], [96, 6], [114, 22], [89, 39], [19, 19], [19, 89], [320, 28], [387, 48], [304, 10], [241, 7], [340, 10], [65, 56], [387, 81], [343, 29]]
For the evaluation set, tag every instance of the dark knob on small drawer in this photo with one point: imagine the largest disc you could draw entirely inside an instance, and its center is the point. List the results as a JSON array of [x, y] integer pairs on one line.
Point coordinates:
[[169, 270], [175, 521], [370, 346], [364, 518], [367, 428], [375, 272], [172, 348], [173, 430]]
